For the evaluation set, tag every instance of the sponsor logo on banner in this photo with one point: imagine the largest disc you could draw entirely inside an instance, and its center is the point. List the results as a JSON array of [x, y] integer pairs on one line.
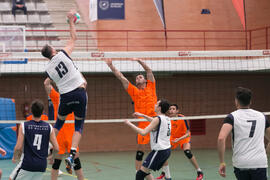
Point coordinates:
[[97, 54], [104, 5], [184, 53], [266, 52]]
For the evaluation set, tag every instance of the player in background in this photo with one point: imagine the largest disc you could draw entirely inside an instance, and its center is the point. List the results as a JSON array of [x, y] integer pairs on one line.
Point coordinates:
[[180, 136], [64, 137], [248, 128], [144, 97], [160, 132], [71, 85], [32, 146]]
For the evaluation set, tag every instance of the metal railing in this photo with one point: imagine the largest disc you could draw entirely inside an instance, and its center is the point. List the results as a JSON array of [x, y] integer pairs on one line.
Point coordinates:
[[151, 40]]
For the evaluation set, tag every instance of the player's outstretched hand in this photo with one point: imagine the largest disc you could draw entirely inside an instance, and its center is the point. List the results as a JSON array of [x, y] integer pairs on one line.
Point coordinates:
[[70, 15], [126, 121], [108, 61], [137, 114], [136, 59], [222, 170], [3, 152]]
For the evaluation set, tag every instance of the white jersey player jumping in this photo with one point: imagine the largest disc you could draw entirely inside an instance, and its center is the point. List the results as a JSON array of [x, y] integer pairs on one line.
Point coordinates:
[[248, 128], [72, 88]]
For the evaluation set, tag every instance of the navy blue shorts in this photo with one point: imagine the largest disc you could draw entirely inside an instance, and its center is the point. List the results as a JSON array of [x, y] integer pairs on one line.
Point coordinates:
[[156, 159], [74, 101], [250, 174]]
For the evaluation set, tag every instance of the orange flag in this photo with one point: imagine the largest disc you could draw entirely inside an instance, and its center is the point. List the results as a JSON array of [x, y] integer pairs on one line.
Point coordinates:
[[239, 7]]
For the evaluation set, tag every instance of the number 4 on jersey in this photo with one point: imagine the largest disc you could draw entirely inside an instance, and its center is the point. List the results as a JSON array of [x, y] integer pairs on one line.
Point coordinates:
[[37, 141]]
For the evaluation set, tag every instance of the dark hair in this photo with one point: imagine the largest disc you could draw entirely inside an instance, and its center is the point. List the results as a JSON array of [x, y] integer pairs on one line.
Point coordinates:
[[243, 95], [47, 51], [37, 108], [175, 106], [137, 74], [165, 105]]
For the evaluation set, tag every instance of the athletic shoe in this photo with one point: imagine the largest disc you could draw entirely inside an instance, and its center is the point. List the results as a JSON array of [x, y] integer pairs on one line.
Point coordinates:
[[162, 175], [200, 175], [60, 172], [69, 164], [168, 178]]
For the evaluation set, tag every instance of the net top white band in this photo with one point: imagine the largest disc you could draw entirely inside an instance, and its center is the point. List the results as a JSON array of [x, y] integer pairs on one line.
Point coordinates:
[[133, 120]]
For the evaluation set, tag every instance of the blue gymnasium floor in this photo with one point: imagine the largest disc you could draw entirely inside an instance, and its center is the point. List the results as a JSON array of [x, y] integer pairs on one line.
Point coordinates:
[[120, 166]]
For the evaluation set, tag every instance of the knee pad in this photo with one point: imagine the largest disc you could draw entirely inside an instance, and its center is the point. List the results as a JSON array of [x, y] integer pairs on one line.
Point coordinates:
[[56, 164], [77, 164], [59, 124], [140, 175], [79, 125], [188, 153], [139, 155]]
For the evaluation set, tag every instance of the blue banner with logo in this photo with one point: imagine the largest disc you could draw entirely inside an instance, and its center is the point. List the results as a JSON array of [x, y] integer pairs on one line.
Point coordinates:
[[111, 9]]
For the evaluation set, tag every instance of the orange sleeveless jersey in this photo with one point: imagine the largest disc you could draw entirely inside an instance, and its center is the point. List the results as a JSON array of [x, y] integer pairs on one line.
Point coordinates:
[[64, 137], [179, 129], [144, 102]]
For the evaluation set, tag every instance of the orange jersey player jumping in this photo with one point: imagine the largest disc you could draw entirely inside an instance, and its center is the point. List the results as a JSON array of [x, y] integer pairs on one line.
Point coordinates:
[[144, 97], [64, 137], [180, 136]]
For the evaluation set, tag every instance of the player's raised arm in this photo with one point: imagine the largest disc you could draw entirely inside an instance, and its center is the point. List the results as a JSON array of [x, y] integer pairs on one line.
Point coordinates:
[[149, 73], [73, 36], [117, 73], [148, 118], [150, 127]]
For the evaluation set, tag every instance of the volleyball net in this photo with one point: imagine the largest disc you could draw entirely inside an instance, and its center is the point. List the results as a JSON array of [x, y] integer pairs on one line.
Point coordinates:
[[202, 83]]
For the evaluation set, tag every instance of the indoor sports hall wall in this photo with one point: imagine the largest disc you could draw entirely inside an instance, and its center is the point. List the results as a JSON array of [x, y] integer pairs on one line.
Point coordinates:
[[196, 94], [183, 15]]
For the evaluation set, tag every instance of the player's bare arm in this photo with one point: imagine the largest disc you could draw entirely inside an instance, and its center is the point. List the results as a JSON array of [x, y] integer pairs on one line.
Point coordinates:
[[117, 73], [73, 36], [223, 134], [149, 74], [47, 85], [143, 132], [19, 146], [148, 118], [186, 135]]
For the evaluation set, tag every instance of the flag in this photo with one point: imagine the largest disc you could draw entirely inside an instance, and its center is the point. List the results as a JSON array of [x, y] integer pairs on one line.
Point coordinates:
[[160, 8], [240, 9]]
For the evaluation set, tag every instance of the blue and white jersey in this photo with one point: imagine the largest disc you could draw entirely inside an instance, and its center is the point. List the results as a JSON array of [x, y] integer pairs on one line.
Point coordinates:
[[160, 137], [64, 73], [248, 138], [36, 144]]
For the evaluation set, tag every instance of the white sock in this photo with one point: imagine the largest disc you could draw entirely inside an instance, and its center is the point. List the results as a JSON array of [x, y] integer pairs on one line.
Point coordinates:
[[166, 169], [199, 170]]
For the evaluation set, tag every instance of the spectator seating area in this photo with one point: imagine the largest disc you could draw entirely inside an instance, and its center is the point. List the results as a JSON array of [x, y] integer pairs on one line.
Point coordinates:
[[39, 25]]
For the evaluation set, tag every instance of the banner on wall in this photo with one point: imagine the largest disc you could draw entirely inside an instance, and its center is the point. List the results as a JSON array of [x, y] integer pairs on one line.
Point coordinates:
[[106, 9], [240, 9]]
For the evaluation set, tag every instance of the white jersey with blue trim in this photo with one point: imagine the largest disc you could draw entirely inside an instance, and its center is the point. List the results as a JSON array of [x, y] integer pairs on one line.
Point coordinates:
[[160, 137], [64, 73], [248, 139]]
